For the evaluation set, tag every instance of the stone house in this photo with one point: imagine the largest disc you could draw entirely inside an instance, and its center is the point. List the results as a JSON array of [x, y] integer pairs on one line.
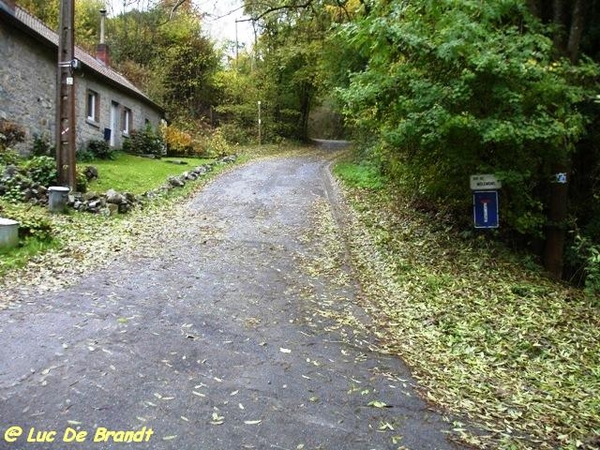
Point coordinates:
[[108, 106]]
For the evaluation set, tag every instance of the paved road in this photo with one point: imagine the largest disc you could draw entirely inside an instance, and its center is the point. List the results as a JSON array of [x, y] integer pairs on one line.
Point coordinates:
[[215, 341]]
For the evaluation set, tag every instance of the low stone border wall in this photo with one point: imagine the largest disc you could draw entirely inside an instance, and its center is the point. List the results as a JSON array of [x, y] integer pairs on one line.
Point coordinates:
[[113, 202]]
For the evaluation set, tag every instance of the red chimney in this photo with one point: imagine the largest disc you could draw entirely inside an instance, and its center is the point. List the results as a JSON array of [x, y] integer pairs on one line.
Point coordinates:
[[102, 52]]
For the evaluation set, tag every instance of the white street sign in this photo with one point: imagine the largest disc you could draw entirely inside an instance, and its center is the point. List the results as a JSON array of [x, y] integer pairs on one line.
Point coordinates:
[[484, 182]]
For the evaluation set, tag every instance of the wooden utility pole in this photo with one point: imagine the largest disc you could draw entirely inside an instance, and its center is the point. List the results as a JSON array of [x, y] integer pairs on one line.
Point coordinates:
[[65, 97]]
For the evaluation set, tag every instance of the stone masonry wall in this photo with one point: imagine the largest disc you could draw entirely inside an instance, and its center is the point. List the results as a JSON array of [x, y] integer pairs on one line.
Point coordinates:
[[27, 83], [87, 130], [28, 90]]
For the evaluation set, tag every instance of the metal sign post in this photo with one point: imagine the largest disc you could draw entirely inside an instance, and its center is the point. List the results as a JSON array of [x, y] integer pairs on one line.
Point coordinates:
[[65, 97]]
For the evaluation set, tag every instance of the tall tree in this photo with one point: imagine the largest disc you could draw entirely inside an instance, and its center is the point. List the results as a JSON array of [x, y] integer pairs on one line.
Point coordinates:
[[454, 88], [292, 37], [164, 50]]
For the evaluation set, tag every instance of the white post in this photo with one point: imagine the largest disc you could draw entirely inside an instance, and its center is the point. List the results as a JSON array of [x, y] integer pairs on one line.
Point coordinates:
[[259, 125]]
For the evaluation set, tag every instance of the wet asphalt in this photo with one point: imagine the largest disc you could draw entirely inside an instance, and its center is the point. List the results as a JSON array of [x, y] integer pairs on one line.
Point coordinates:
[[213, 341]]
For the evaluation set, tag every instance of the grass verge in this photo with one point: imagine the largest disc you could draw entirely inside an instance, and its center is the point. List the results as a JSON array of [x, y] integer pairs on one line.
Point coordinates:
[[488, 338], [81, 241], [129, 173]]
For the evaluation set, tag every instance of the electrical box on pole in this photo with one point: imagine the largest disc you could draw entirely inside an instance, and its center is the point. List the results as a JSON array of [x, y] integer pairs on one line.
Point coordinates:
[[65, 97]]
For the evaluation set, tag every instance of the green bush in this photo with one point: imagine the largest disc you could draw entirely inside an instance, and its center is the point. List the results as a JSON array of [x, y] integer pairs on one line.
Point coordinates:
[[235, 134], [216, 145], [41, 147], [33, 223], [145, 142], [100, 149], [585, 255], [42, 170], [9, 157], [84, 155], [81, 181], [14, 187]]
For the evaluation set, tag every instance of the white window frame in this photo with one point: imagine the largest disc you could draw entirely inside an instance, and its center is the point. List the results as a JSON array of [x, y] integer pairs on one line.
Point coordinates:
[[127, 118], [93, 106]]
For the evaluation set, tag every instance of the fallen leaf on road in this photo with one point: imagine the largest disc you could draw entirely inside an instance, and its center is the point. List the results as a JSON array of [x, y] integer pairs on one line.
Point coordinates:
[[378, 404], [217, 419]]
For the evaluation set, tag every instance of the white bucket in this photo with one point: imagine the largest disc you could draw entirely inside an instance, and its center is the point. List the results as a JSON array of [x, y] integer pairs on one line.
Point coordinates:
[[9, 233], [57, 198]]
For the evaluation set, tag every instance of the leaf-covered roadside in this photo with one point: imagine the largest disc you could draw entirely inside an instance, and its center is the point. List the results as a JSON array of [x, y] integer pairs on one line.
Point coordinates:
[[85, 242], [486, 336]]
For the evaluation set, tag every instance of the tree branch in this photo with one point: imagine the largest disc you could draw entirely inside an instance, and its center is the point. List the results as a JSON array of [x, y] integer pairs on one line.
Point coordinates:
[[273, 9], [175, 6], [342, 5]]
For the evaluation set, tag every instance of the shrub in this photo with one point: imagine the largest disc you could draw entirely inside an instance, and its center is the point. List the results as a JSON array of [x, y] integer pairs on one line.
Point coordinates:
[[235, 134], [211, 145], [42, 170], [81, 180], [41, 147], [100, 149], [13, 186], [11, 132], [179, 143], [32, 222], [585, 254], [9, 157], [217, 144], [145, 142], [84, 155]]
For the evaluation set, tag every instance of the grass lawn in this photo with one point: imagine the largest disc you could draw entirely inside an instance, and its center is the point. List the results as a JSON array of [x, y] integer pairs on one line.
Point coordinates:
[[128, 173]]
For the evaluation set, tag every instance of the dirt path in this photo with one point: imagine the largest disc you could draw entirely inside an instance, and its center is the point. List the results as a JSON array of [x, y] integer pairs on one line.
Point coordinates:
[[223, 341]]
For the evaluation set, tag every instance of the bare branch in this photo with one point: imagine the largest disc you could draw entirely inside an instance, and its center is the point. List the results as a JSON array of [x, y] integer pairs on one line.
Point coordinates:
[[342, 5], [175, 6]]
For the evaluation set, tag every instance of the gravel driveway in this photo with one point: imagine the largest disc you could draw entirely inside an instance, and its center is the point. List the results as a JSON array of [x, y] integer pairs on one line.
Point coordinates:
[[222, 337]]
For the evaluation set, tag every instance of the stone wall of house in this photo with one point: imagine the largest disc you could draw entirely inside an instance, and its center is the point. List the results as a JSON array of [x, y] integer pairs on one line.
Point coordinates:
[[27, 83], [109, 98], [28, 90]]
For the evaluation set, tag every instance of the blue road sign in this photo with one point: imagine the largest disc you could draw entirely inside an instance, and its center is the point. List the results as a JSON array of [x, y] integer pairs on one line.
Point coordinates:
[[485, 209]]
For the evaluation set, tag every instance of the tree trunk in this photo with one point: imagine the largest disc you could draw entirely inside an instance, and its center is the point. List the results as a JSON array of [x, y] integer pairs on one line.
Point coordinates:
[[535, 7], [560, 20], [305, 101], [577, 23], [557, 217]]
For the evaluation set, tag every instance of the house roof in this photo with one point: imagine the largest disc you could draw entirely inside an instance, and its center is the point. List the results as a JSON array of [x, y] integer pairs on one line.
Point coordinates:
[[38, 29]]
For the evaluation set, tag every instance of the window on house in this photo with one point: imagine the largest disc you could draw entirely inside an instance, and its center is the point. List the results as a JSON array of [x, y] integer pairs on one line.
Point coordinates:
[[93, 106], [127, 121]]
